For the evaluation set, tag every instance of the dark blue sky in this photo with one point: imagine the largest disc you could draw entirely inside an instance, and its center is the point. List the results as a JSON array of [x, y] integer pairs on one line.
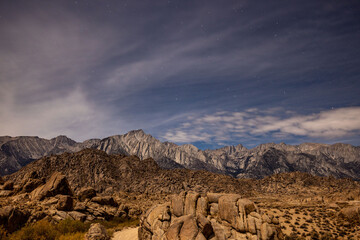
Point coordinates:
[[211, 73]]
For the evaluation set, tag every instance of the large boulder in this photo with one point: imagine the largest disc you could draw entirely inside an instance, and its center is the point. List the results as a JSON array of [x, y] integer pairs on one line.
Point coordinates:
[[228, 209], [97, 232], [57, 184], [12, 218], [190, 203], [86, 193], [177, 204], [65, 203], [156, 222]]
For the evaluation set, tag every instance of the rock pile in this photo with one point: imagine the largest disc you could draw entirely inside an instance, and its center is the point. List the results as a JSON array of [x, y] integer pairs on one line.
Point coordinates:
[[190, 216]]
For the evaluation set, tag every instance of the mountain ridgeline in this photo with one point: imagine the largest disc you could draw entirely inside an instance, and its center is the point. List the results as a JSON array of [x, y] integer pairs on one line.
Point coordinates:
[[338, 160]]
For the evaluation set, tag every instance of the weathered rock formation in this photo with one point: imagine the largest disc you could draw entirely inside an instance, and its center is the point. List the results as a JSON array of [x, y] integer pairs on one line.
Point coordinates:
[[191, 216]]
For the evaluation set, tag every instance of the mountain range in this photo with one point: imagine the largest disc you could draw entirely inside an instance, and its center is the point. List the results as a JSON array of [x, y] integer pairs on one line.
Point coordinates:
[[338, 160]]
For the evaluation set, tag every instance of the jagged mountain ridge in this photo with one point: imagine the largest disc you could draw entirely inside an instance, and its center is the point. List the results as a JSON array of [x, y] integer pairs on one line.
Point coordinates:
[[339, 160]]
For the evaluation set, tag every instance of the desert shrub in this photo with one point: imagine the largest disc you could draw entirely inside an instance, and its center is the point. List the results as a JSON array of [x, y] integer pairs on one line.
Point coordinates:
[[72, 236], [64, 230], [42, 230], [71, 226], [119, 223], [3, 233]]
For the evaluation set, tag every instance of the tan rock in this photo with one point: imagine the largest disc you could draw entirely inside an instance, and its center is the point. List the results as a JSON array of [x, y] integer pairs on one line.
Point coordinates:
[[97, 232], [152, 216], [204, 225], [251, 224], [258, 223], [12, 218], [200, 236], [65, 203], [241, 224], [214, 209], [202, 206], [190, 203], [351, 214], [77, 216], [6, 193], [177, 204], [57, 184], [32, 184], [144, 234], [189, 229], [237, 236], [80, 206], [275, 220], [174, 231], [105, 200], [266, 231], [218, 230], [246, 206], [228, 209], [86, 193], [214, 197]]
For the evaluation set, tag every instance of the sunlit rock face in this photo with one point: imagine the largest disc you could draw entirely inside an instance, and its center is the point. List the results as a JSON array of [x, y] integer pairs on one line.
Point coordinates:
[[339, 160]]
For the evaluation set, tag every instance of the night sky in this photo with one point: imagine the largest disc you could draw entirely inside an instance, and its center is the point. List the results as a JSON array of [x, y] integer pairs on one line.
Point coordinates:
[[210, 73]]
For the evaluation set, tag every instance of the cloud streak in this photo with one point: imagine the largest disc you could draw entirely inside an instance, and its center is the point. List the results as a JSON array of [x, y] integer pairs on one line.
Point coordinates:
[[222, 127]]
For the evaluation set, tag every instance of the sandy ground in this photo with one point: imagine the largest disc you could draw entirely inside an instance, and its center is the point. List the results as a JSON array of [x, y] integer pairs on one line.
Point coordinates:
[[126, 234]]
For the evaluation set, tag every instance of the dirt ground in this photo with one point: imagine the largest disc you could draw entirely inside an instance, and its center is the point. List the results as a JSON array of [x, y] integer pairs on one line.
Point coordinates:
[[126, 234]]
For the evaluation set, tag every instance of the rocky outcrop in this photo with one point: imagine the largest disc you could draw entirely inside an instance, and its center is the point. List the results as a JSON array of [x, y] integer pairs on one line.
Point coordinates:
[[189, 217], [97, 232], [57, 184], [339, 160]]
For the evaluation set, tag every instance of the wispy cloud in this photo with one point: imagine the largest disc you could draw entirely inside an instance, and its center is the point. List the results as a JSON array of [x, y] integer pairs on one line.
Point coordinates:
[[226, 126], [72, 66]]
